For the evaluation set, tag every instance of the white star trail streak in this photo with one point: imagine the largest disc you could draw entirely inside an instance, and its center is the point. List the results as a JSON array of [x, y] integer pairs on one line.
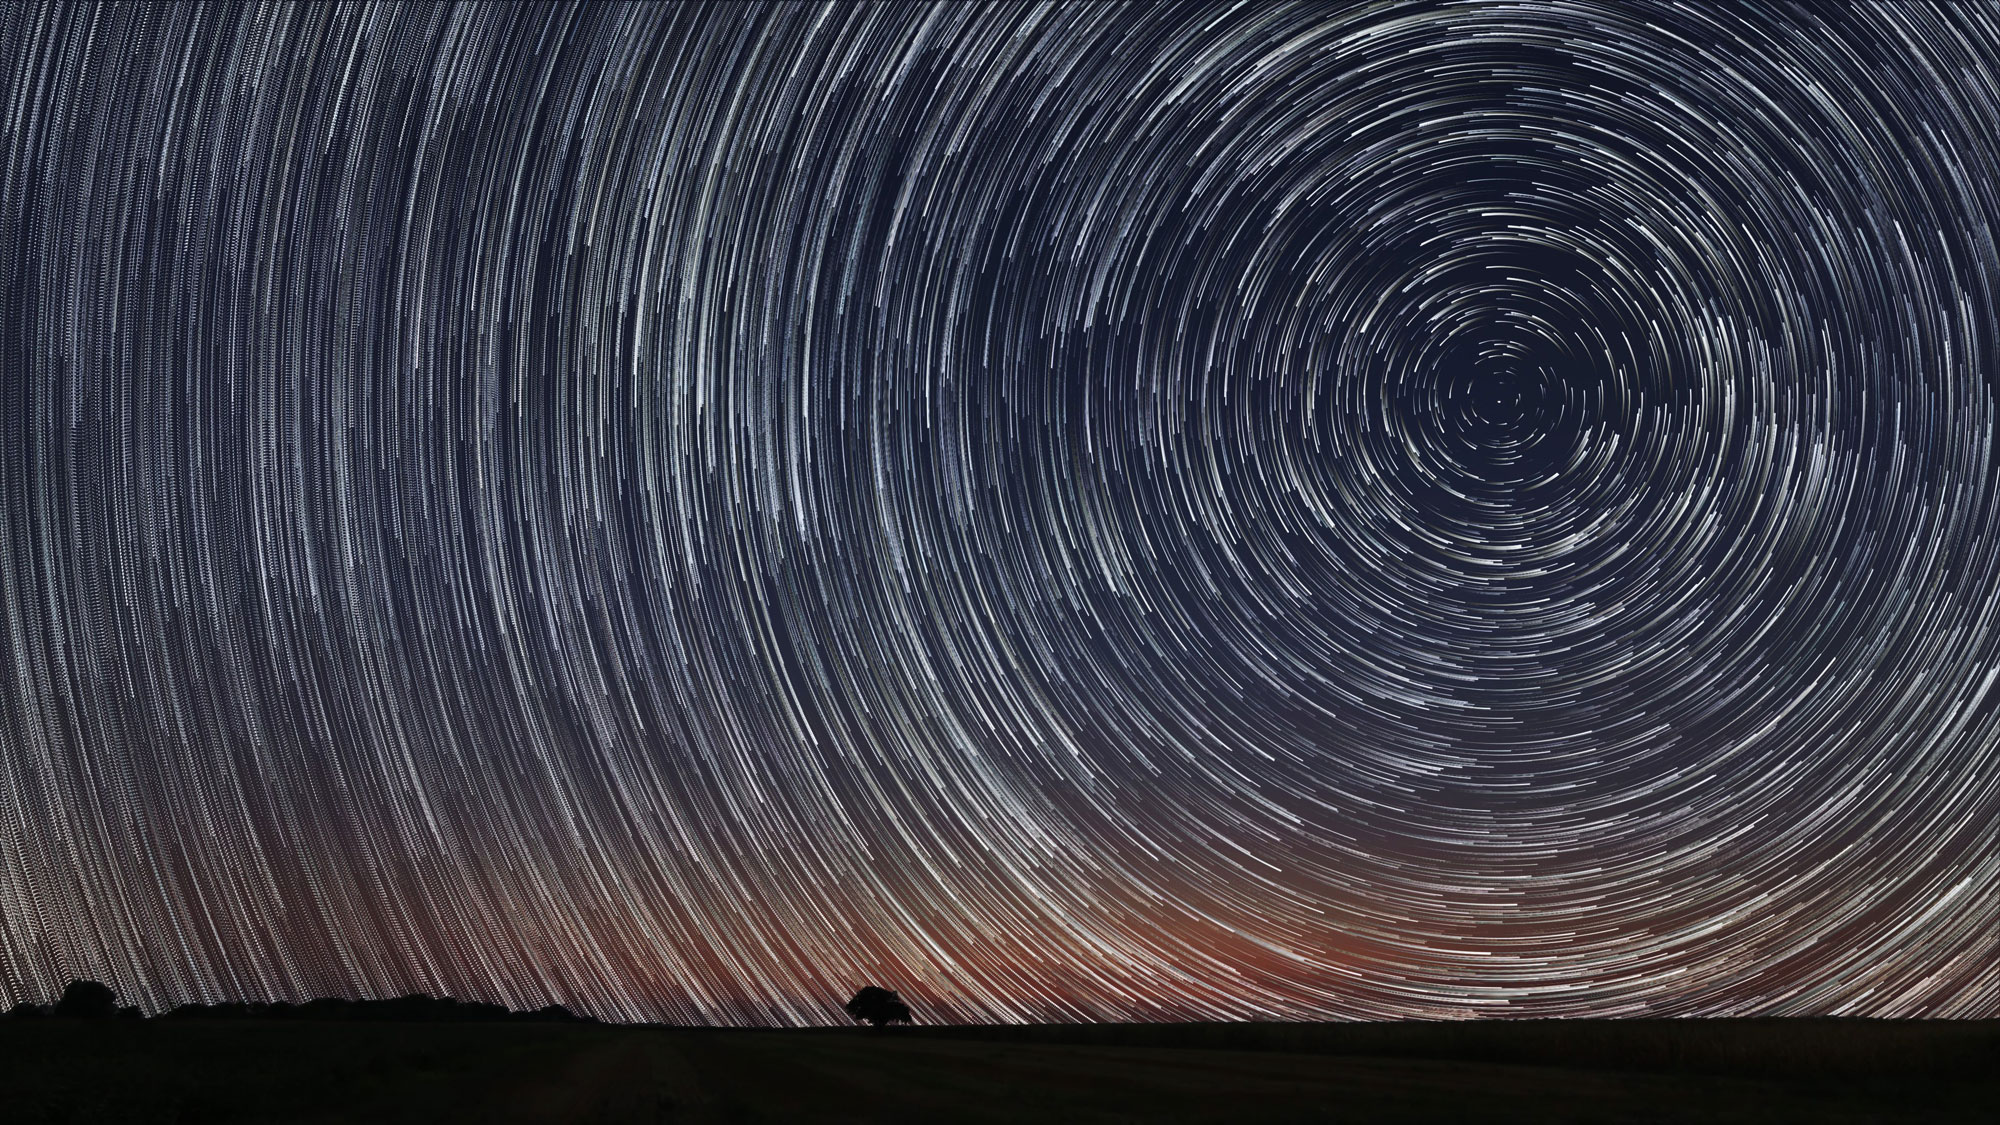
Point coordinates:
[[1078, 512]]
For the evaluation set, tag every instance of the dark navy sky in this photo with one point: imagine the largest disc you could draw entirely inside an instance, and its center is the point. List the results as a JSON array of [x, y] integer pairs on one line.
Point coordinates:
[[1161, 511]]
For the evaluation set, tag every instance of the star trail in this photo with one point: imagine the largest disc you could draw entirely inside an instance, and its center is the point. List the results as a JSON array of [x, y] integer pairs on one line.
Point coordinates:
[[1167, 511]]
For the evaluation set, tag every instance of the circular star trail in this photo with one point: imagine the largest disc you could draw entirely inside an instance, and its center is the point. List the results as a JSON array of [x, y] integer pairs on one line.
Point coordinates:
[[1093, 512]]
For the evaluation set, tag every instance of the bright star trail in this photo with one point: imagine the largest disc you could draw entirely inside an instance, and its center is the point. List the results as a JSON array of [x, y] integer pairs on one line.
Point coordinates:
[[1094, 512]]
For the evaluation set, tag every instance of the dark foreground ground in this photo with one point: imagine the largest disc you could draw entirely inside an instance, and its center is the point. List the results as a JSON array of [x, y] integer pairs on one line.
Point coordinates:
[[1570, 1071]]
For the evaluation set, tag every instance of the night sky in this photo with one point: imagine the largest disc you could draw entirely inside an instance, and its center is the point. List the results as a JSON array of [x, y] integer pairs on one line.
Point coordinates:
[[1153, 512]]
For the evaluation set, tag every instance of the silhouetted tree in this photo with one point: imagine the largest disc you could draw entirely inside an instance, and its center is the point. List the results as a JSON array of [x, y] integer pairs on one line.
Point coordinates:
[[878, 1006], [87, 999]]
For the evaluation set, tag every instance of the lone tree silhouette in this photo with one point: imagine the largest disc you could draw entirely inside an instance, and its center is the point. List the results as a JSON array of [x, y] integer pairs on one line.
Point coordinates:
[[878, 1006], [87, 999]]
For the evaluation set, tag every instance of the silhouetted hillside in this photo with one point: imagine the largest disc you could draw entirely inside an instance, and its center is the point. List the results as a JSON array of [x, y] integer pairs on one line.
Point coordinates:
[[1789, 1047], [90, 1000], [403, 1009], [427, 1063]]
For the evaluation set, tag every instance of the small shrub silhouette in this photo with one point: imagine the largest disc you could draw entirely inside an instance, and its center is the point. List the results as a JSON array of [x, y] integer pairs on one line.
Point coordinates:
[[87, 999], [878, 1007]]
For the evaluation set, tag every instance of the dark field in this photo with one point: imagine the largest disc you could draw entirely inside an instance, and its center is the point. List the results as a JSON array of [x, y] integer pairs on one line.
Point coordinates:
[[1569, 1071]]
